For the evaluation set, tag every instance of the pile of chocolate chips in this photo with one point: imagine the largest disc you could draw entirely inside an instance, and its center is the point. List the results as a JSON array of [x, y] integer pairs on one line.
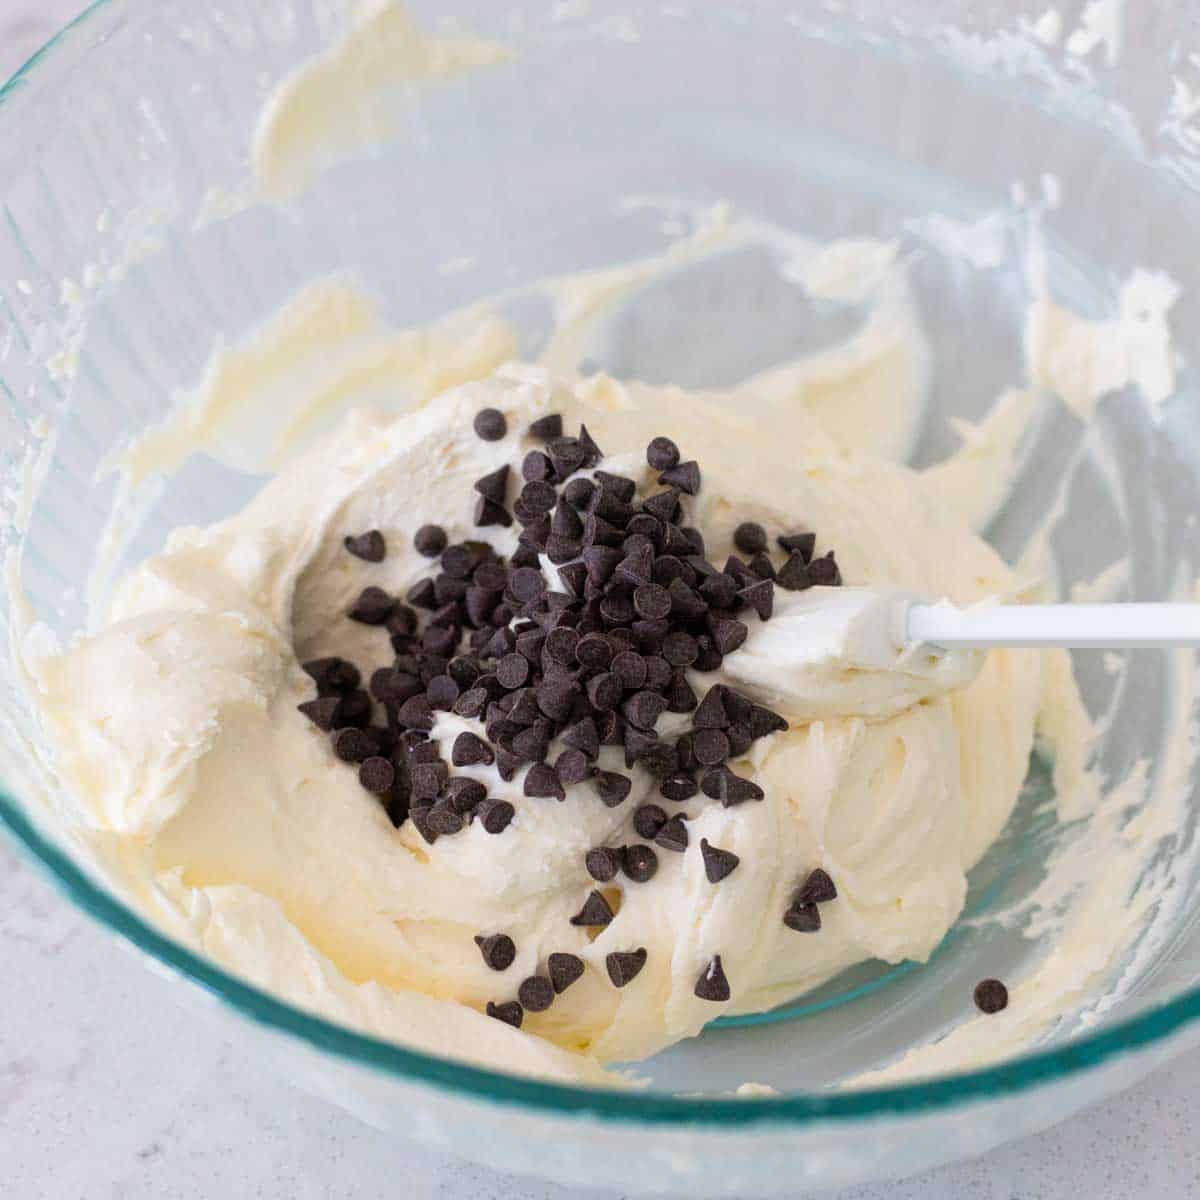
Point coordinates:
[[555, 674]]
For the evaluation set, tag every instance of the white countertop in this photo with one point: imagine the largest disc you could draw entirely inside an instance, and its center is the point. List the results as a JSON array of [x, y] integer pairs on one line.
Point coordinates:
[[108, 1089]]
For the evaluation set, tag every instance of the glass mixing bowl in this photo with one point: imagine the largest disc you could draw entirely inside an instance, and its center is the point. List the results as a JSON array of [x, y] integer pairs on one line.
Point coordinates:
[[125, 255]]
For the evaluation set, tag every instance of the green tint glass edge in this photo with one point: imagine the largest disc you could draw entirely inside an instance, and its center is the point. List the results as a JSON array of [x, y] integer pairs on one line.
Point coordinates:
[[623, 1107]]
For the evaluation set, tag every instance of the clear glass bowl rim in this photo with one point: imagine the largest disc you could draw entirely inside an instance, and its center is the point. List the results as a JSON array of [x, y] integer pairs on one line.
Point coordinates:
[[609, 1105]]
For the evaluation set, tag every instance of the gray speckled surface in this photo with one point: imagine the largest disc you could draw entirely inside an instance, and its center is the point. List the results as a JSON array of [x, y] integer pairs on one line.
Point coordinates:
[[108, 1089]]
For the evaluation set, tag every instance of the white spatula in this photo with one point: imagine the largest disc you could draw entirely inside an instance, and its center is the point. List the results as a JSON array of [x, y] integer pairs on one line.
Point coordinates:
[[1071, 626]]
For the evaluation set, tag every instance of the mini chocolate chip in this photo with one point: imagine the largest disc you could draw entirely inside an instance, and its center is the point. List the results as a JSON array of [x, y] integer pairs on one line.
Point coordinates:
[[579, 492], [321, 711], [494, 486], [764, 722], [680, 649], [727, 633], [564, 970], [685, 477], [419, 748], [750, 538], [531, 643], [991, 996], [594, 651], [464, 671], [711, 712], [444, 820], [720, 590], [686, 602], [711, 747], [603, 863], [567, 454], [818, 888], [761, 597], [593, 453], [561, 550], [428, 779], [487, 512], [368, 546], [658, 673], [422, 594], [556, 697], [430, 540], [601, 562], [513, 670], [648, 820], [612, 787], [525, 709], [538, 496], [679, 694], [659, 759], [574, 575], [678, 787], [595, 911], [630, 668], [793, 575], [495, 815], [372, 607], [803, 918], [652, 601], [583, 736], [416, 713], [547, 427], [333, 675], [673, 835], [542, 781], [572, 766], [490, 424], [529, 745], [824, 572], [441, 641], [470, 750], [621, 486], [799, 543], [442, 692], [353, 711], [720, 783], [536, 993], [740, 739], [712, 984], [624, 966], [354, 745], [536, 467], [498, 950], [718, 863], [472, 703], [465, 795], [377, 775], [560, 645], [636, 742], [739, 571], [662, 453], [510, 1012], [639, 862], [685, 749], [644, 708]]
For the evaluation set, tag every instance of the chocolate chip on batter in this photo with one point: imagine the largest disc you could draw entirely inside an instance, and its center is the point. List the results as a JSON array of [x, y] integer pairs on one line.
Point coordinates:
[[712, 984], [595, 911], [469, 750], [991, 996], [430, 540], [495, 815], [685, 476], [612, 787], [536, 467], [803, 918], [564, 970], [372, 607], [643, 709], [711, 713], [546, 428], [542, 781], [572, 767], [678, 787], [368, 546], [465, 795], [354, 745], [333, 675], [490, 424], [718, 863], [727, 633], [720, 783], [711, 747], [623, 966], [536, 993], [471, 703], [603, 863], [510, 1012], [799, 543], [673, 835], [648, 820], [818, 888], [794, 575], [639, 862], [353, 710], [498, 950], [750, 537], [416, 713], [824, 572], [659, 759], [513, 670], [583, 736], [377, 775], [662, 453], [321, 711]]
